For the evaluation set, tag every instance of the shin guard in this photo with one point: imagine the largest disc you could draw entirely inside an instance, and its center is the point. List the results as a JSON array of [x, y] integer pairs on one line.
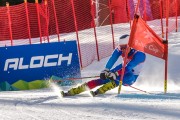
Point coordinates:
[[106, 87], [77, 90]]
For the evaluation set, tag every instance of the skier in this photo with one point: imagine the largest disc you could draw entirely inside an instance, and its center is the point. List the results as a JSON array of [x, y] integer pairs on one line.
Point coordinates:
[[109, 78]]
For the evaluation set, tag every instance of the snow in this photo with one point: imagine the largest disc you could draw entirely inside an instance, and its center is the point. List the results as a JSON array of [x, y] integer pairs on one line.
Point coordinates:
[[130, 104], [45, 105]]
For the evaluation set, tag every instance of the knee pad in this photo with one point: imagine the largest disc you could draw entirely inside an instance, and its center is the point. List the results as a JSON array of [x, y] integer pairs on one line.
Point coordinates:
[[129, 79]]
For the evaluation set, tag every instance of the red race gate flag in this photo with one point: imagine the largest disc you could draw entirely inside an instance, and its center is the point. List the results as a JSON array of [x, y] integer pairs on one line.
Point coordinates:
[[144, 39]]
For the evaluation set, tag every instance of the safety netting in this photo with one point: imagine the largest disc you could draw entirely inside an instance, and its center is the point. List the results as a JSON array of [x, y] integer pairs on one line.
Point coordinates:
[[95, 24]]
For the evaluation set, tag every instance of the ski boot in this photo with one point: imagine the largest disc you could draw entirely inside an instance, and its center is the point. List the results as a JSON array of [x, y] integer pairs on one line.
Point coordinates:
[[63, 94], [75, 91], [93, 94]]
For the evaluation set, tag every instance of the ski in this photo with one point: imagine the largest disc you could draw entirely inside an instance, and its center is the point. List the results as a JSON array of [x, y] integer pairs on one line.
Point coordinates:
[[66, 94]]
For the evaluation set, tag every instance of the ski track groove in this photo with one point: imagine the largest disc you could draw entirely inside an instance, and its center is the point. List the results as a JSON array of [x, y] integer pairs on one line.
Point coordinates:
[[24, 111]]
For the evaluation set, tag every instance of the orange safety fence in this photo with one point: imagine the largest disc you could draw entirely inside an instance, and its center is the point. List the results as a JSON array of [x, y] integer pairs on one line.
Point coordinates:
[[95, 24]]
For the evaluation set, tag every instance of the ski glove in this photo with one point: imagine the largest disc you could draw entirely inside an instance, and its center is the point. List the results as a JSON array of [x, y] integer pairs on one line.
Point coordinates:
[[104, 73], [112, 75]]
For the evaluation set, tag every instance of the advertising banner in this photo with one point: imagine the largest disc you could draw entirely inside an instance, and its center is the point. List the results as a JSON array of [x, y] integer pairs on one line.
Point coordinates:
[[28, 63]]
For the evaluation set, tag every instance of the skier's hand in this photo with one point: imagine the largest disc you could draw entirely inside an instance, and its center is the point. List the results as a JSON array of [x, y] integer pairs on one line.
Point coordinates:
[[112, 76], [104, 73]]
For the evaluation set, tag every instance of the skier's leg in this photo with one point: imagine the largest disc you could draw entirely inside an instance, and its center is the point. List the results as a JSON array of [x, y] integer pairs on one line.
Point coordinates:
[[128, 79], [108, 86], [94, 83], [84, 87]]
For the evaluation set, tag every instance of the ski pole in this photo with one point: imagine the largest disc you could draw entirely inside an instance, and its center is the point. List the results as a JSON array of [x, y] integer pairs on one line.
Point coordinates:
[[137, 89], [60, 79], [81, 78]]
